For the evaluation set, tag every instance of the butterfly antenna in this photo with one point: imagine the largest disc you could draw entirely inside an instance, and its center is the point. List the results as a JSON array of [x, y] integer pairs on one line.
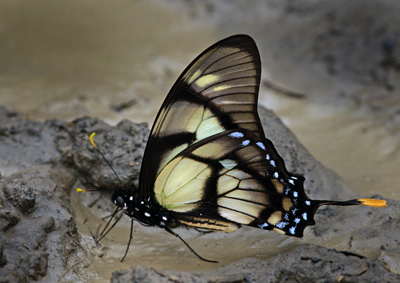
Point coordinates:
[[187, 245], [108, 163]]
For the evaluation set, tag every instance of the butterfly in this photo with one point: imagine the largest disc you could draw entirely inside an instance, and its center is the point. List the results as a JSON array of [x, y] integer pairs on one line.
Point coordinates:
[[208, 164]]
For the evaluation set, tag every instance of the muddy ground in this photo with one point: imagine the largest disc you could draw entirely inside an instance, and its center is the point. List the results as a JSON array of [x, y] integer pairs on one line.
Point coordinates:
[[40, 241], [331, 72]]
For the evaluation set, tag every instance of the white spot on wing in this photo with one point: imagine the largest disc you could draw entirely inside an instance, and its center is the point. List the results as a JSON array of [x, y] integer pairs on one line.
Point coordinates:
[[236, 135], [265, 225], [292, 230], [261, 145], [291, 182], [276, 175], [308, 202], [268, 157], [272, 163], [281, 224], [147, 214], [304, 216], [297, 220], [245, 143], [295, 194]]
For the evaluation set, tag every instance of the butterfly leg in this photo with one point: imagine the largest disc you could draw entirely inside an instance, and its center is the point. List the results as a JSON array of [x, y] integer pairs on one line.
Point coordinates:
[[187, 245], [129, 242], [104, 232]]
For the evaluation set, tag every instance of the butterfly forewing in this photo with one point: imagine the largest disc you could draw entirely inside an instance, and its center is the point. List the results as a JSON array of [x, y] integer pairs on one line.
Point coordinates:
[[234, 177], [217, 92]]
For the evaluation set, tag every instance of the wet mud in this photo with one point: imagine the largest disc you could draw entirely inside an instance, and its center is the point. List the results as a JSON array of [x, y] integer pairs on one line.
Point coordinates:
[[42, 164], [307, 263]]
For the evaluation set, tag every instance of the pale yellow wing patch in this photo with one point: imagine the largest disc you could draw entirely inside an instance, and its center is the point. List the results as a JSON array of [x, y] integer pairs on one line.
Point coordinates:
[[210, 224], [183, 208], [229, 209], [169, 155], [275, 217], [181, 183], [228, 164], [176, 174], [209, 127], [191, 192], [240, 201], [226, 184]]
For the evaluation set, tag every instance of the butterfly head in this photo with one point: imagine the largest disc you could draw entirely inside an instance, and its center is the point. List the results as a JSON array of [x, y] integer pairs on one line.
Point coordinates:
[[123, 198]]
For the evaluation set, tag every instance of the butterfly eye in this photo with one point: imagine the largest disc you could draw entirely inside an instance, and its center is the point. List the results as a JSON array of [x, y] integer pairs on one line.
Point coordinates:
[[119, 201]]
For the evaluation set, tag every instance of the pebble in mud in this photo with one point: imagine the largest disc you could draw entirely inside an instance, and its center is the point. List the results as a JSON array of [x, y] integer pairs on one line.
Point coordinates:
[[35, 265], [8, 218], [20, 195]]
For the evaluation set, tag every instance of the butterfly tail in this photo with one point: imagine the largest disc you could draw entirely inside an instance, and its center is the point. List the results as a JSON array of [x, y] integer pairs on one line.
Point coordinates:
[[361, 201]]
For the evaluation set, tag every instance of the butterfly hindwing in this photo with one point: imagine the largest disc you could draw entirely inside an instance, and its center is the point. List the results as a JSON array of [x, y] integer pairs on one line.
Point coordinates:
[[217, 92], [234, 178]]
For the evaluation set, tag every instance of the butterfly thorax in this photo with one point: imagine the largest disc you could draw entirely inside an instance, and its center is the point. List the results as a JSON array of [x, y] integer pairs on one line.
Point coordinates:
[[142, 210]]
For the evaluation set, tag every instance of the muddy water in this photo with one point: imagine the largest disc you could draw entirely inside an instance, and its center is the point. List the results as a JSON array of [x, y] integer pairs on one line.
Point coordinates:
[[68, 59], [77, 58]]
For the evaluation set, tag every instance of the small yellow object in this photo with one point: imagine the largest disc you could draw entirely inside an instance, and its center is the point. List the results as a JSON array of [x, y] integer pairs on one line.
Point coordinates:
[[91, 139], [80, 190], [373, 202]]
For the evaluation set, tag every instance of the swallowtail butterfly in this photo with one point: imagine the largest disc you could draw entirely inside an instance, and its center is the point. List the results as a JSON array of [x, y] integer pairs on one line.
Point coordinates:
[[207, 163]]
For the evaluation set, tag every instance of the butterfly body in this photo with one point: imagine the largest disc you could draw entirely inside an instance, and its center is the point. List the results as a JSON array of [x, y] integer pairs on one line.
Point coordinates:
[[142, 210], [208, 164]]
